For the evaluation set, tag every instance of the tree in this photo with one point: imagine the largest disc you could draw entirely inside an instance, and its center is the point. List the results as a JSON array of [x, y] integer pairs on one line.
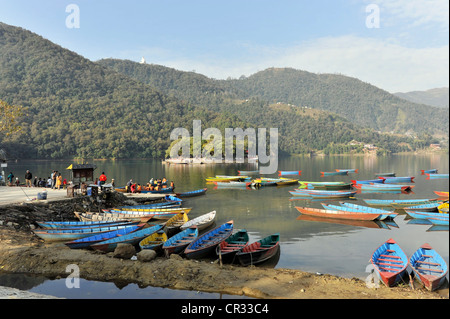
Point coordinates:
[[8, 117]]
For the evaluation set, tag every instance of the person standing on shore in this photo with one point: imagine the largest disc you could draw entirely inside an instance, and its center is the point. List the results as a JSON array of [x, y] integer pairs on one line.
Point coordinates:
[[28, 177], [10, 178], [58, 181]]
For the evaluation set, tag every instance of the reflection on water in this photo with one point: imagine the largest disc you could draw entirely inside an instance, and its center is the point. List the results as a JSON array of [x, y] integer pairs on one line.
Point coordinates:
[[101, 290], [334, 248]]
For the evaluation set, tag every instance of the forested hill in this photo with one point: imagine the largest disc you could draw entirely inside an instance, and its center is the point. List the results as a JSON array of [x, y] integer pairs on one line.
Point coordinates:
[[360, 102], [357, 101], [77, 108]]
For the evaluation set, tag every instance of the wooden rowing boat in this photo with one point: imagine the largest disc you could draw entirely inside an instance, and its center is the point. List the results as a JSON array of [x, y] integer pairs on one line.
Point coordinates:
[[443, 208], [202, 222], [113, 217], [233, 184], [380, 180], [284, 173], [390, 262], [397, 203], [350, 170], [207, 243], [155, 241], [86, 242], [81, 224], [197, 192], [322, 194], [382, 215], [403, 179], [69, 234], [147, 210], [177, 243], [227, 249], [154, 214], [334, 173], [221, 178], [247, 173], [383, 187], [429, 171], [259, 251], [325, 185], [429, 267], [154, 205], [441, 194], [173, 225], [337, 214], [132, 238], [287, 181], [433, 176], [433, 207], [385, 213]]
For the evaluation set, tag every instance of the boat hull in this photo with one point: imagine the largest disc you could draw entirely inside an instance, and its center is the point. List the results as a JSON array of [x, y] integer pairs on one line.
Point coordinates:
[[429, 267], [323, 213], [259, 251], [390, 262]]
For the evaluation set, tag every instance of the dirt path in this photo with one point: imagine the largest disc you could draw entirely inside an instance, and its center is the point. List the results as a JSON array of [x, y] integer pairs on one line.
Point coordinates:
[[23, 252]]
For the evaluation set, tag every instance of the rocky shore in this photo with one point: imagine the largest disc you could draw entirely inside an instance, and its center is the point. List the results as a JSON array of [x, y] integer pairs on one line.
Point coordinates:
[[23, 252]]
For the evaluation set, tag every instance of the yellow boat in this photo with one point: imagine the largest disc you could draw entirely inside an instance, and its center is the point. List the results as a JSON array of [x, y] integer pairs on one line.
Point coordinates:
[[225, 178], [174, 223], [154, 241], [287, 181], [443, 209]]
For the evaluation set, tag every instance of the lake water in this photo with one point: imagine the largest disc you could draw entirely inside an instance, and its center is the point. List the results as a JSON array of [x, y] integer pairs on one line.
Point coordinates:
[[312, 246]]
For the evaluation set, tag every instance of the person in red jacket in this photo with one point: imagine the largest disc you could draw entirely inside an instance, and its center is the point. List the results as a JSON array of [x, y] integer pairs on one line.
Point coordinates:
[[102, 179]]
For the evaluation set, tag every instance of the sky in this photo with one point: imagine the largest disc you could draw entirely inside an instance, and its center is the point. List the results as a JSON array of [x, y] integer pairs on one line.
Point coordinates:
[[396, 45]]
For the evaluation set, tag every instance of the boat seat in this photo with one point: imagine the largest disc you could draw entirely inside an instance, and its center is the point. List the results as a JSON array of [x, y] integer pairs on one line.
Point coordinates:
[[391, 260], [390, 265], [427, 263], [429, 269], [390, 256]]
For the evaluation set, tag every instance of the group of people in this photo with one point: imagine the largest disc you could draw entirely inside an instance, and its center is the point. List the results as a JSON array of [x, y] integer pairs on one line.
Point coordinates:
[[54, 181], [152, 185]]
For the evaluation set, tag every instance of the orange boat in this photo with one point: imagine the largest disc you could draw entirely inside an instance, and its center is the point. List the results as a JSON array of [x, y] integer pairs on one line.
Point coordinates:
[[442, 194], [337, 214]]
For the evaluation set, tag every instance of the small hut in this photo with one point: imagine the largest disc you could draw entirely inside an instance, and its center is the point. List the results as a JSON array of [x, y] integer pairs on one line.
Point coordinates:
[[82, 173]]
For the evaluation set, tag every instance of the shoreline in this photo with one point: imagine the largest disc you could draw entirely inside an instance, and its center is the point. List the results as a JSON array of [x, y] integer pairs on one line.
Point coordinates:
[[23, 252]]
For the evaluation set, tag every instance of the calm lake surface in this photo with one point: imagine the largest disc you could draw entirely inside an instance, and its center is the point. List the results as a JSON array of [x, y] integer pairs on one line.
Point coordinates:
[[312, 246]]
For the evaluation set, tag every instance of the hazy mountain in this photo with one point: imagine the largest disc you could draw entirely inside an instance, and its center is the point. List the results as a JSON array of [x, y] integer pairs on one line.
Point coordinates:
[[435, 97]]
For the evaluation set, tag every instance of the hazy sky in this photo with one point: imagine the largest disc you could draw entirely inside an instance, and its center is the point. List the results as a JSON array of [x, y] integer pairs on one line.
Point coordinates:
[[397, 45]]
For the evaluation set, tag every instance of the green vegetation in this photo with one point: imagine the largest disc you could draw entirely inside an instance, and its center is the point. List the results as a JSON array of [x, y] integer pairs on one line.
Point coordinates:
[[120, 109]]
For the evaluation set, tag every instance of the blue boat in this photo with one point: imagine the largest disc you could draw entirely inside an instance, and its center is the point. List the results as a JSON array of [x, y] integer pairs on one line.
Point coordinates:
[[425, 215], [171, 198], [435, 176], [334, 173], [396, 203], [385, 174], [429, 171], [285, 173], [88, 241], [429, 267], [321, 194], [246, 173], [432, 207], [403, 179], [369, 181], [68, 234], [83, 224], [390, 262], [197, 192], [132, 238], [389, 214], [350, 170], [207, 243], [178, 243], [383, 187]]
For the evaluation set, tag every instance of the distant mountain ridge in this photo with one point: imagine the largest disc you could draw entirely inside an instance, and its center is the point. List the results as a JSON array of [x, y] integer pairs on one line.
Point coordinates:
[[438, 97], [357, 101], [121, 109]]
